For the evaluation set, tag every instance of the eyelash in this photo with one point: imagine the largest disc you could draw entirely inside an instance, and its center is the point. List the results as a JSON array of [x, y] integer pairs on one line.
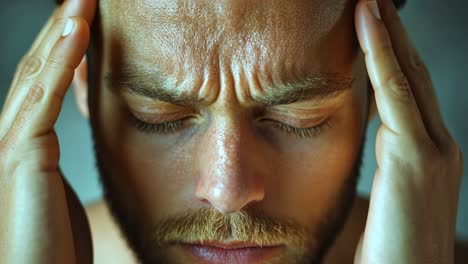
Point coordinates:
[[308, 132], [174, 126], [157, 128]]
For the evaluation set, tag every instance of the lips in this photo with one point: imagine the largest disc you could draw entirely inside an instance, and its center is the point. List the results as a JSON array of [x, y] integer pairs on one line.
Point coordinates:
[[230, 253]]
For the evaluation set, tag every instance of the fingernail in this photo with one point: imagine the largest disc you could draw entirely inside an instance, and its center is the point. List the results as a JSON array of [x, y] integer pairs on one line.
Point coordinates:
[[69, 25], [374, 8]]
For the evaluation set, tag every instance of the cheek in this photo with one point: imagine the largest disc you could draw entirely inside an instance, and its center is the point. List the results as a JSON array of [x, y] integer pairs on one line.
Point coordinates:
[[163, 179], [310, 175], [303, 179], [155, 172]]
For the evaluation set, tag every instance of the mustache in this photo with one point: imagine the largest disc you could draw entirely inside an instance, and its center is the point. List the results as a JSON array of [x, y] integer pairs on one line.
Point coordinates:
[[207, 224]]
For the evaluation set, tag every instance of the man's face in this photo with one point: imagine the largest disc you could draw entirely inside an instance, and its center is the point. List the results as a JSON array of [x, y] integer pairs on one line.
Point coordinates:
[[218, 122]]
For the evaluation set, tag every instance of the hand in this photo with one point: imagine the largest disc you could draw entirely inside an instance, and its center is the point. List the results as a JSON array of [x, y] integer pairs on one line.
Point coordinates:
[[414, 196], [35, 222]]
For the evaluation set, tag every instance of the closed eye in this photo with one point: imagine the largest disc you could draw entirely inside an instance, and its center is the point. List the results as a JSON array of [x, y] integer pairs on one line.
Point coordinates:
[[307, 132], [175, 126], [167, 127]]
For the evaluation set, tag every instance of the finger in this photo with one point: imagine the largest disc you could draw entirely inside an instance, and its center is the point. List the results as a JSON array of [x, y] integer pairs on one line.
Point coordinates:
[[58, 74], [395, 102], [45, 29], [79, 8], [34, 61], [28, 63], [416, 72], [70, 8], [83, 8], [42, 107], [31, 68]]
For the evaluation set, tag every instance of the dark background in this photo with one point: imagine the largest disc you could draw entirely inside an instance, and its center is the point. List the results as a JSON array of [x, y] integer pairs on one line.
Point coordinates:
[[439, 30]]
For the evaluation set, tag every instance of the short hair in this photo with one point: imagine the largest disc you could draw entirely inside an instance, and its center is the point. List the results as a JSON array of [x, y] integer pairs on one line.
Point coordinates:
[[398, 3]]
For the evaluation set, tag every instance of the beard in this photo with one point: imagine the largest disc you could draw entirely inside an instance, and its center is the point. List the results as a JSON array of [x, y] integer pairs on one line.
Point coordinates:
[[150, 242]]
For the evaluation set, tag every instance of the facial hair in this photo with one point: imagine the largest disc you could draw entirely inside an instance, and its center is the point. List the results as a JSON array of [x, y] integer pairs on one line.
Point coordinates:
[[150, 242]]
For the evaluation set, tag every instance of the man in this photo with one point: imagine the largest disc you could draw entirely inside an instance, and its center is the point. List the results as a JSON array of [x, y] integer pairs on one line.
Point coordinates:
[[229, 132]]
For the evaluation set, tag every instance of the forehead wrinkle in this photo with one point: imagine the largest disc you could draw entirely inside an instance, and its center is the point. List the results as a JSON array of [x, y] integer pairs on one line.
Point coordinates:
[[203, 30], [191, 39], [176, 35]]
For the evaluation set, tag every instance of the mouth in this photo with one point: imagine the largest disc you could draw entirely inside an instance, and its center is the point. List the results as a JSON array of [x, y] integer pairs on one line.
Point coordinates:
[[215, 252]]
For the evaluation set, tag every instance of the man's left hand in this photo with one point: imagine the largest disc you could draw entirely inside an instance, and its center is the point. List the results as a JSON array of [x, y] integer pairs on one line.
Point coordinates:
[[413, 203]]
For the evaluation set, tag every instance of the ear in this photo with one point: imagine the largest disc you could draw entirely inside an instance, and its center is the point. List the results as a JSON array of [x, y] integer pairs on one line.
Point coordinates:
[[372, 104], [80, 85]]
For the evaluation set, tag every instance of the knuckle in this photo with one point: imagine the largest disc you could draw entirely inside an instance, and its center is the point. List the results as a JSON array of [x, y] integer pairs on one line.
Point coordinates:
[[30, 66], [35, 93], [426, 149], [449, 155], [416, 65], [429, 162], [55, 63], [395, 159], [421, 150], [398, 86], [432, 155], [60, 21]]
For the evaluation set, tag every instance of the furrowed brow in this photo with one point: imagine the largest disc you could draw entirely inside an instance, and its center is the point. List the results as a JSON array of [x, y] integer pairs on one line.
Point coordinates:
[[318, 87], [150, 85]]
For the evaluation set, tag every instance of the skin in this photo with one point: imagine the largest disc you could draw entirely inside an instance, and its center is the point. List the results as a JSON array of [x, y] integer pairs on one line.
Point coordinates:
[[418, 160], [230, 150]]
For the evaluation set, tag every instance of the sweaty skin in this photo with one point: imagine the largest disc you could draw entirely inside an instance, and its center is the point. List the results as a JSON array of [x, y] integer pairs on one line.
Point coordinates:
[[224, 55], [228, 56], [232, 131]]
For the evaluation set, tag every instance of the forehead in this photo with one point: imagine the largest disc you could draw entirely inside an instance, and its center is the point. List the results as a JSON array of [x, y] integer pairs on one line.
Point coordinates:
[[194, 36]]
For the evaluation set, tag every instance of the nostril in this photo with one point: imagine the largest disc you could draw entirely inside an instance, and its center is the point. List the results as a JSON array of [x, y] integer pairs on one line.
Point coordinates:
[[205, 201]]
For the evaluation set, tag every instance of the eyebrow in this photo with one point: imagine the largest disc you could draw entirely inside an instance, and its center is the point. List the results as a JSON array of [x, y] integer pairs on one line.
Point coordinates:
[[151, 84]]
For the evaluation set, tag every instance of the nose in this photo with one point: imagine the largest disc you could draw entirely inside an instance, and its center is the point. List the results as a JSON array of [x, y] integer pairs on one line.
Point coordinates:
[[230, 168]]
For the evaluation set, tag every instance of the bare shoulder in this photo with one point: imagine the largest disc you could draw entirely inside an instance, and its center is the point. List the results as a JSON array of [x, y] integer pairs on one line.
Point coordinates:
[[108, 244]]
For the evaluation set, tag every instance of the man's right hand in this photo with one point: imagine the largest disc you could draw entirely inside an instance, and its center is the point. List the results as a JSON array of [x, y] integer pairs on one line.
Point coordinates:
[[35, 224]]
